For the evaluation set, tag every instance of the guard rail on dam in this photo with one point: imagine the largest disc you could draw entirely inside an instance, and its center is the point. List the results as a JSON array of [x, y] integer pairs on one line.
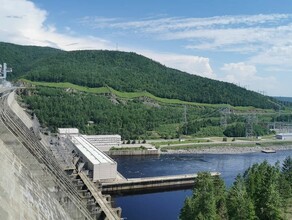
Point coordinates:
[[137, 185], [86, 209]]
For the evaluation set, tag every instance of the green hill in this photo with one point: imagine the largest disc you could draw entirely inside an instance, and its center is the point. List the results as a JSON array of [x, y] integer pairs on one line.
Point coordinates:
[[126, 93], [22, 58], [124, 72]]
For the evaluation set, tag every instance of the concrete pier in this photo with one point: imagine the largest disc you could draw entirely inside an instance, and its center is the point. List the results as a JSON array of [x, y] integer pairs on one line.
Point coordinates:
[[110, 213], [160, 183]]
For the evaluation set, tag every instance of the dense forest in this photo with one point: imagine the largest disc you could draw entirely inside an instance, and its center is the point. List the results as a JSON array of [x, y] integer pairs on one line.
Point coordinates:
[[137, 118], [22, 58], [263, 192], [124, 72], [133, 119]]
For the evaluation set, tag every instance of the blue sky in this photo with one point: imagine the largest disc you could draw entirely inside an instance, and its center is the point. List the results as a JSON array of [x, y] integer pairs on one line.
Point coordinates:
[[247, 42]]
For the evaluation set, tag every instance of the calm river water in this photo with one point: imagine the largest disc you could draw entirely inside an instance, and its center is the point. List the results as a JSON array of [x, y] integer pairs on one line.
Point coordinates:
[[167, 205]]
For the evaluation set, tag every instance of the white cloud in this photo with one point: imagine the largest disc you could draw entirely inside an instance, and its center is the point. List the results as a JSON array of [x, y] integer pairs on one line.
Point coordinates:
[[246, 75], [230, 33], [179, 23], [23, 23], [239, 73], [190, 64], [276, 56]]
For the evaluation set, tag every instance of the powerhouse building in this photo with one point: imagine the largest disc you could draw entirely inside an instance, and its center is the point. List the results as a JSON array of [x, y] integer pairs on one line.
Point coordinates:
[[104, 142], [90, 148], [101, 165]]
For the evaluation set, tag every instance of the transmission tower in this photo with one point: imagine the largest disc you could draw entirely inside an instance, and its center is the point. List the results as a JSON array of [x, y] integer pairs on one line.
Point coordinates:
[[251, 119], [225, 113]]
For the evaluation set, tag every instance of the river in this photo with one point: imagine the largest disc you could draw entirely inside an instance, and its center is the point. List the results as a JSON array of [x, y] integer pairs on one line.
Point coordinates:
[[167, 205]]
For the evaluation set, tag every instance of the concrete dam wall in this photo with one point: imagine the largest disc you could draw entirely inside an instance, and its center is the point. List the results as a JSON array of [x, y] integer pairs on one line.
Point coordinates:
[[33, 184], [21, 195], [29, 189]]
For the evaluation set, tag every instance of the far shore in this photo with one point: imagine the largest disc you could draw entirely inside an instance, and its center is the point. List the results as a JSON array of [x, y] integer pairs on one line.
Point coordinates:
[[226, 149]]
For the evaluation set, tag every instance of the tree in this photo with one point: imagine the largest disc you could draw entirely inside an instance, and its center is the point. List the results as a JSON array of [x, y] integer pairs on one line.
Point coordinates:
[[262, 182], [235, 130], [202, 204], [220, 197], [240, 205], [285, 181], [287, 169], [187, 212], [257, 195]]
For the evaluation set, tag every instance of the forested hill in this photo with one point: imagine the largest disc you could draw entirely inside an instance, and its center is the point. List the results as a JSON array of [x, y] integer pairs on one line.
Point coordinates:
[[22, 58], [124, 72]]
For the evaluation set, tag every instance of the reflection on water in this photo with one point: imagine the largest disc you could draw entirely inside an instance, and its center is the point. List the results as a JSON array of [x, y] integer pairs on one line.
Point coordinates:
[[167, 205]]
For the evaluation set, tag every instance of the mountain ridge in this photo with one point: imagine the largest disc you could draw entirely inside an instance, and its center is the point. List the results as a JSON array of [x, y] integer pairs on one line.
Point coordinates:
[[123, 71]]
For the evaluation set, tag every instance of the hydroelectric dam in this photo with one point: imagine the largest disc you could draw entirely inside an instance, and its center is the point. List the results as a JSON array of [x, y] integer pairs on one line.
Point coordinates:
[[39, 180], [33, 185]]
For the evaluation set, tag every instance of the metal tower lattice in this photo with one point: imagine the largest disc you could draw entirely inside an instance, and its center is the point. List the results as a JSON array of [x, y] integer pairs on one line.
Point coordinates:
[[251, 119], [225, 113]]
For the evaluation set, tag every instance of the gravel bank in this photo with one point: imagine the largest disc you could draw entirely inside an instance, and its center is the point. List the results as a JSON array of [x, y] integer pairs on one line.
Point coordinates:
[[226, 150]]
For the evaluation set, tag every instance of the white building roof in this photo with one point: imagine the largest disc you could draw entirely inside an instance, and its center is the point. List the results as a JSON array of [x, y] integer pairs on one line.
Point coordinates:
[[94, 155], [68, 131], [102, 136], [285, 134]]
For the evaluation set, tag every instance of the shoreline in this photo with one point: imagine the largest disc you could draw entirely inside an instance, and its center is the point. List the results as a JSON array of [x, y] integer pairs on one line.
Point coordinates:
[[226, 150]]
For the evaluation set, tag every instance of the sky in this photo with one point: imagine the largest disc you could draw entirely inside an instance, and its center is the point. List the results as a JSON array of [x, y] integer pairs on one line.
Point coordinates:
[[245, 42]]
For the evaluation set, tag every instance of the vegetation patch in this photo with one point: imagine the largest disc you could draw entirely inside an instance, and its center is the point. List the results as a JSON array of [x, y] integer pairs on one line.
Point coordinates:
[[263, 192], [67, 105], [127, 148], [126, 95], [227, 144]]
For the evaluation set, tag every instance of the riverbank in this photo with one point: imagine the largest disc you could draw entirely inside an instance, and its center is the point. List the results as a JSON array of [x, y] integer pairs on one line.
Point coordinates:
[[235, 149]]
